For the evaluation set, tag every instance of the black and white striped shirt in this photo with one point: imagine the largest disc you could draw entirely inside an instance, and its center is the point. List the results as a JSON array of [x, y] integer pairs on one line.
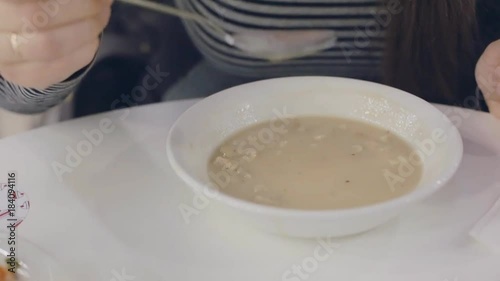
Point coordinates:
[[357, 52], [29, 101]]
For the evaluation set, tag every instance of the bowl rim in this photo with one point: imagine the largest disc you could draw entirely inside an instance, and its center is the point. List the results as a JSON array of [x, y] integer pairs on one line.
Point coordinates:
[[421, 192]]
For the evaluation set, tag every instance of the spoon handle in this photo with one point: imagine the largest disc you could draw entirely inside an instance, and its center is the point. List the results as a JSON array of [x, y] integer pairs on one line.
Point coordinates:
[[166, 9]]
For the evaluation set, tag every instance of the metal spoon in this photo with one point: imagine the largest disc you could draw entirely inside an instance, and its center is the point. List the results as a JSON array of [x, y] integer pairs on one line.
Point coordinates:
[[269, 45]]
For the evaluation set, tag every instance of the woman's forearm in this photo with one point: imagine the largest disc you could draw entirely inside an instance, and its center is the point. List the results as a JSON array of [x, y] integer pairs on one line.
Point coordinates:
[[29, 101], [42, 45]]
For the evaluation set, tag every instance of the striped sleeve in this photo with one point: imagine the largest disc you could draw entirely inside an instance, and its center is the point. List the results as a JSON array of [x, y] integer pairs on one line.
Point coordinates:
[[31, 101]]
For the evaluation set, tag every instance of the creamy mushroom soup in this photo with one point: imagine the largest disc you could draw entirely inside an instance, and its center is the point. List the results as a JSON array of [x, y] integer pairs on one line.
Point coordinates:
[[315, 163]]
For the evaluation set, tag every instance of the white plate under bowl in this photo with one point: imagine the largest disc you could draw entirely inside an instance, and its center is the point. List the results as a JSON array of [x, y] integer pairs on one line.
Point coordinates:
[[203, 127]]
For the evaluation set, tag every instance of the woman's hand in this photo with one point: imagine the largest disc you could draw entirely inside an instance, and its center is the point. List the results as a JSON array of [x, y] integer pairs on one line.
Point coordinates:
[[43, 42], [488, 77]]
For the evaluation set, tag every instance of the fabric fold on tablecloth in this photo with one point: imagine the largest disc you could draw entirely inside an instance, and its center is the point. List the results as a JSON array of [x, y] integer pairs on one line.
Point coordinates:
[[487, 229]]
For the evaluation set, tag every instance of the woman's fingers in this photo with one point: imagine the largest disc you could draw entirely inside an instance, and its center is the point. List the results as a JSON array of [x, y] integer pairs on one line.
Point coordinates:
[[51, 44], [40, 75], [494, 105], [488, 77], [43, 42], [27, 16], [496, 76]]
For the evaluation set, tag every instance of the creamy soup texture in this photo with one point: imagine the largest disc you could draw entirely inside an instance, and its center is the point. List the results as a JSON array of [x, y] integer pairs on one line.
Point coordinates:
[[313, 163]]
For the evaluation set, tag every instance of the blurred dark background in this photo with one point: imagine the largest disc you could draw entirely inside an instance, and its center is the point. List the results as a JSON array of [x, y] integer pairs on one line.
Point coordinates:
[[135, 39]]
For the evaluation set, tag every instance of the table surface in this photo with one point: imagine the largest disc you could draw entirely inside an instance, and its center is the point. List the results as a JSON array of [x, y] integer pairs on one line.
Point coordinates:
[[114, 213]]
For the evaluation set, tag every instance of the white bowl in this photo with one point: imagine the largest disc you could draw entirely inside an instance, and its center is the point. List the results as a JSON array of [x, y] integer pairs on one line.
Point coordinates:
[[198, 132]]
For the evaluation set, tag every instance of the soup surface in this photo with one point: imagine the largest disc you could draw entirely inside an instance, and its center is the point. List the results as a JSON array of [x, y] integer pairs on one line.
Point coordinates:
[[315, 163]]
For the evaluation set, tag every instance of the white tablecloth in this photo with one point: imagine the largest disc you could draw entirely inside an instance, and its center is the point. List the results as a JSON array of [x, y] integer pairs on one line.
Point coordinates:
[[112, 213]]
